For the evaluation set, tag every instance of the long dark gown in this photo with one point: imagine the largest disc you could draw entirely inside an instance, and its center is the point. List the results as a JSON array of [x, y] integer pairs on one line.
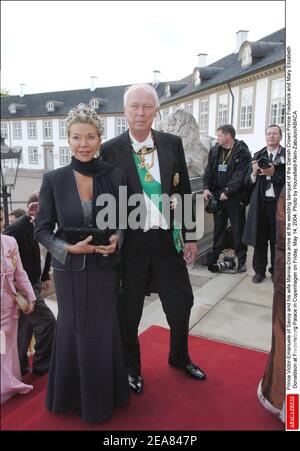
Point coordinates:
[[87, 371]]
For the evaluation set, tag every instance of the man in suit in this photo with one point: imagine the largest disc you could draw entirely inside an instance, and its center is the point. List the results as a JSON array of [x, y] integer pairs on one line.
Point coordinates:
[[266, 185], [41, 322], [153, 253]]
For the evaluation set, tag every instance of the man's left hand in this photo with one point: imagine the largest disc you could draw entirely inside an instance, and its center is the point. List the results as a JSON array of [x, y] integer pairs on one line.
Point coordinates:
[[223, 197], [269, 171], [190, 252]]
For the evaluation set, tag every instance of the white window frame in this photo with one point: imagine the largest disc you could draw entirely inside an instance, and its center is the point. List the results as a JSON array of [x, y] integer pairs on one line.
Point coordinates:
[[63, 133], [188, 106], [246, 110], [203, 116], [4, 129], [120, 125], [12, 108], [196, 78], [17, 129], [246, 59], [64, 155], [32, 130], [47, 129], [168, 91], [50, 107], [33, 156], [276, 104], [222, 109], [94, 103], [104, 127]]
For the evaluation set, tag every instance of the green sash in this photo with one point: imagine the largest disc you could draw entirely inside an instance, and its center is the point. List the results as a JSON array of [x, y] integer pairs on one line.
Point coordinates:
[[153, 190]]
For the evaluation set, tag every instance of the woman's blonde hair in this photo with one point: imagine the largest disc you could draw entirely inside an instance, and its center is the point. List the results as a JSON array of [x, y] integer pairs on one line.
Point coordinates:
[[83, 114]]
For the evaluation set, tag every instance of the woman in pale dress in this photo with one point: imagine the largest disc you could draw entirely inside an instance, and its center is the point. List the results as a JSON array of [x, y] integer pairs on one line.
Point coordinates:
[[12, 273]]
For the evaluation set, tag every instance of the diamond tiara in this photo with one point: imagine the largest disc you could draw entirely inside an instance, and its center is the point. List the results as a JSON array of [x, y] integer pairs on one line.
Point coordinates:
[[83, 109]]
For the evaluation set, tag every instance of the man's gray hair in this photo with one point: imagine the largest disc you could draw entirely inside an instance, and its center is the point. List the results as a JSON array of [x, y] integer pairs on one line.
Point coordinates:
[[147, 88]]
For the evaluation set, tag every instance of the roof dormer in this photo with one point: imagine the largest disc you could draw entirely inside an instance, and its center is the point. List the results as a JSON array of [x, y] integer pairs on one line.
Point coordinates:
[[14, 108], [249, 51], [53, 105], [96, 102], [204, 73], [173, 88]]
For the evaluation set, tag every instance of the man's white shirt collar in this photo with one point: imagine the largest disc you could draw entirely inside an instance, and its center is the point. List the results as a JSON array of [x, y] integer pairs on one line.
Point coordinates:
[[137, 145]]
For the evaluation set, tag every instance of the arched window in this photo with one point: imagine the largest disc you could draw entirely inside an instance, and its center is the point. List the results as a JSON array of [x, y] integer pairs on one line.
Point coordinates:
[[94, 103], [50, 107]]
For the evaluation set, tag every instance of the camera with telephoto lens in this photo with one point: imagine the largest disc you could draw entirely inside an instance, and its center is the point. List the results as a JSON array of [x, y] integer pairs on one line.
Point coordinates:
[[213, 205], [263, 163], [228, 263]]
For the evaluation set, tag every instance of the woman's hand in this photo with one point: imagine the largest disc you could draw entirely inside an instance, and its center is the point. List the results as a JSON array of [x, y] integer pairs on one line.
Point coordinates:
[[111, 248], [82, 247], [30, 308]]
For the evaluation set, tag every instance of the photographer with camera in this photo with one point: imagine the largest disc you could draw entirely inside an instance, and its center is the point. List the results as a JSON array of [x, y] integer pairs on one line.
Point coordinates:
[[223, 188], [266, 178]]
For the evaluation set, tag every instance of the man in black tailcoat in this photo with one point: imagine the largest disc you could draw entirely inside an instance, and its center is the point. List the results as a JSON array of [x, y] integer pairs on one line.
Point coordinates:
[[153, 253]]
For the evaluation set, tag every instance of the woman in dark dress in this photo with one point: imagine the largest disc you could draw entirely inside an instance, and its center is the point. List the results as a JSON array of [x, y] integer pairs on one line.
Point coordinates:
[[87, 371]]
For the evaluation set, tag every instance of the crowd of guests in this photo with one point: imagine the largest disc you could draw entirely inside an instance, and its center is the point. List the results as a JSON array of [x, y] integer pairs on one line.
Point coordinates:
[[236, 180], [94, 333]]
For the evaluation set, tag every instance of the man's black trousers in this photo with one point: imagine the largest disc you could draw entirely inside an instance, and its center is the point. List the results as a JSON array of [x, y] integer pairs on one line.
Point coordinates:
[[233, 210], [266, 232], [150, 259]]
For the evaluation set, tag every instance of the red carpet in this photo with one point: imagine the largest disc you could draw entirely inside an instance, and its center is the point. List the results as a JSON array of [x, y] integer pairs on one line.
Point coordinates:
[[172, 400]]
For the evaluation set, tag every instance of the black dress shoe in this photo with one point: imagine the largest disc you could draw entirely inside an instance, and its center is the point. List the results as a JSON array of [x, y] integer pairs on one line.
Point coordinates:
[[258, 278], [194, 371], [241, 268], [136, 384], [191, 369]]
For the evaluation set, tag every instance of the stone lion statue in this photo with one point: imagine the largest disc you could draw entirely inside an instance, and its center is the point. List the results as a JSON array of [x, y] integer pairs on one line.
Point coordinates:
[[182, 123]]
